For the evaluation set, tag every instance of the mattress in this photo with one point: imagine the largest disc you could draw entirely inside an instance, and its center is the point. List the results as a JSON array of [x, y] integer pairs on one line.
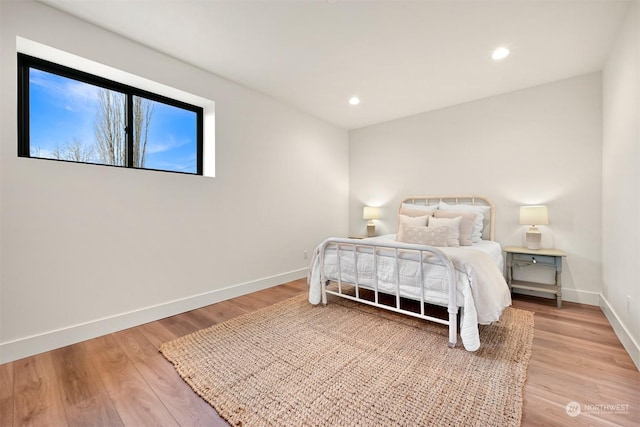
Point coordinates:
[[491, 248]]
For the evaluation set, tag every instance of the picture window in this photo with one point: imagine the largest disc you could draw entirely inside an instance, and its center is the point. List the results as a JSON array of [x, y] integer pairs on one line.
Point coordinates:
[[69, 115]]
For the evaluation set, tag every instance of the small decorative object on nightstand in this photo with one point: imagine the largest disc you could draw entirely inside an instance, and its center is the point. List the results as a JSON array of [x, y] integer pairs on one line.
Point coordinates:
[[545, 257], [370, 213]]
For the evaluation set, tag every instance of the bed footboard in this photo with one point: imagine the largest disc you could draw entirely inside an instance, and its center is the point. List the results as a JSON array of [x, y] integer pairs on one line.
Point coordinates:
[[358, 248]]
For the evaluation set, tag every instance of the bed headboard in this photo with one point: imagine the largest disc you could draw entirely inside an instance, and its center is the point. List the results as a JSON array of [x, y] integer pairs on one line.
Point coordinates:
[[459, 200]]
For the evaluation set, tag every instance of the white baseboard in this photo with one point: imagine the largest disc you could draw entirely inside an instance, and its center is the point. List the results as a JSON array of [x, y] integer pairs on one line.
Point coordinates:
[[628, 342], [581, 297], [29, 346]]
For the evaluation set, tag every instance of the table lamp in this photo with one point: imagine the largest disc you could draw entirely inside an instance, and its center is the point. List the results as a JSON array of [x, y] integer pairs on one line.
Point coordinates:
[[371, 213], [532, 216]]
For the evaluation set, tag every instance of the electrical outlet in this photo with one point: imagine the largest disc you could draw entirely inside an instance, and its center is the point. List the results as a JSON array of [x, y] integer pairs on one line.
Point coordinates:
[[305, 254]]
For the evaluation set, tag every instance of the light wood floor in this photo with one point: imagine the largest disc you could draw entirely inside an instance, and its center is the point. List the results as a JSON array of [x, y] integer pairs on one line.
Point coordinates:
[[121, 379]]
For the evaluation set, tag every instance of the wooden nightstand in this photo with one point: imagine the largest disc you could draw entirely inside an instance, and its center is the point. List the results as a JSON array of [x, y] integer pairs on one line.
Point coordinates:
[[545, 257]]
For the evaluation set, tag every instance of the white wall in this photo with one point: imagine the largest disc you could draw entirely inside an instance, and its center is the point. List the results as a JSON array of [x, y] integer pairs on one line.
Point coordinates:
[[538, 145], [621, 184], [87, 249]]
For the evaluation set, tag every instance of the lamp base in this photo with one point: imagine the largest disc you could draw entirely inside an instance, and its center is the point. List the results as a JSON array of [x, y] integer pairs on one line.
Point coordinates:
[[534, 238], [371, 230]]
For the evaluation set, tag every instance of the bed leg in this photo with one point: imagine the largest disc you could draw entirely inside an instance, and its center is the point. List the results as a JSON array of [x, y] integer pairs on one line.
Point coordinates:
[[453, 328], [324, 293]]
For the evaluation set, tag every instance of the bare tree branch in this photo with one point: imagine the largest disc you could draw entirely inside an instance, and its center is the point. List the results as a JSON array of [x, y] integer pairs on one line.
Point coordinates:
[[142, 113], [75, 151], [110, 128]]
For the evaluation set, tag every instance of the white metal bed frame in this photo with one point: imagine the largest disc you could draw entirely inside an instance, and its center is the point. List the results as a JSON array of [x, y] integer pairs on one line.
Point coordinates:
[[357, 246]]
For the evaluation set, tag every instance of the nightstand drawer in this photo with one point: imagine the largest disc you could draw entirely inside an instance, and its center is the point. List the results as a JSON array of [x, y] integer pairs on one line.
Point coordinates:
[[534, 259]]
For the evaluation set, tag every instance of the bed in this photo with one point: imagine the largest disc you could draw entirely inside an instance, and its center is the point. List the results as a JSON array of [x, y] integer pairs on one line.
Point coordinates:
[[426, 263]]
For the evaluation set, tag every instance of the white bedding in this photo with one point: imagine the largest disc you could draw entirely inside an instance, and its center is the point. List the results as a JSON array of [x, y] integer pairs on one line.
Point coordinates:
[[491, 248], [482, 290]]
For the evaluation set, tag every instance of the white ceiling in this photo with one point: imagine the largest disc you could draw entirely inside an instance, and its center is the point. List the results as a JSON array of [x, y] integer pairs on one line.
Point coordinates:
[[401, 58]]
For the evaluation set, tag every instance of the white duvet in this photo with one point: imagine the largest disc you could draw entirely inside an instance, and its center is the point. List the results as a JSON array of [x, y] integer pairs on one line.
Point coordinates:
[[481, 288]]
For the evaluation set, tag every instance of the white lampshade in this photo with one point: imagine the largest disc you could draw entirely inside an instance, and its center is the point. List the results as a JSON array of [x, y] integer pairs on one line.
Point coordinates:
[[370, 213], [534, 215]]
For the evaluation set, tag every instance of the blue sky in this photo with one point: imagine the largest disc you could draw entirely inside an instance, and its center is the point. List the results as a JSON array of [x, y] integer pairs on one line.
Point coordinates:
[[64, 110]]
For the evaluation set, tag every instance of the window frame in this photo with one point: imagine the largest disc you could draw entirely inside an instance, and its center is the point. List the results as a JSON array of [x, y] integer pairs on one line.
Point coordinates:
[[27, 62]]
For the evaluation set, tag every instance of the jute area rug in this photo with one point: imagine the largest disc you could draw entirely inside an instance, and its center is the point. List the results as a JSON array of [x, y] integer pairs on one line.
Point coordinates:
[[294, 364]]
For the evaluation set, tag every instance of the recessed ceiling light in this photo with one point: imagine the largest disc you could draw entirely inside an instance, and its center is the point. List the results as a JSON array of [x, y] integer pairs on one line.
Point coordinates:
[[500, 53], [354, 100]]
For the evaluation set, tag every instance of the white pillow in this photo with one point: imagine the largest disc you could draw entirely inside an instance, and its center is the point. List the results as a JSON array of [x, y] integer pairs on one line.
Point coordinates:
[[453, 227], [482, 219], [432, 236], [415, 212], [425, 208], [413, 220]]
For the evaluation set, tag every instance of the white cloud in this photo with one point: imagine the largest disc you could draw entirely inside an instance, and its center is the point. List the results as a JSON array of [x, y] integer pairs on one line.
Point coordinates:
[[72, 94], [167, 145]]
